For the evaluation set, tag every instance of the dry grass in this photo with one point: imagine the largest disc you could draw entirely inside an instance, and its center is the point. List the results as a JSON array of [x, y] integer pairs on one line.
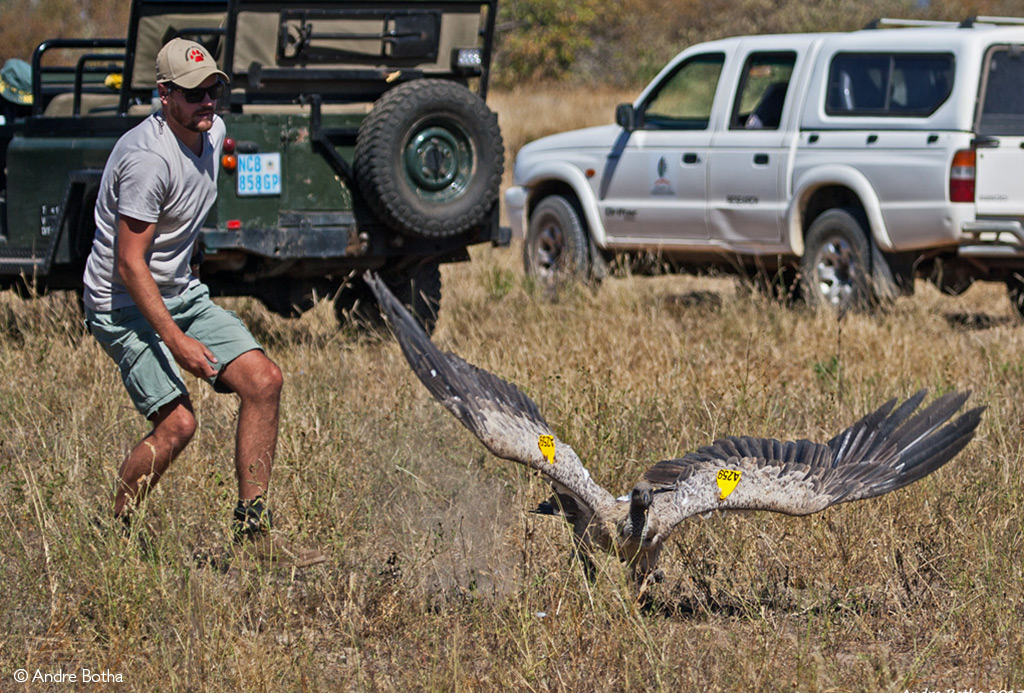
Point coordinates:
[[438, 576], [529, 112], [439, 579]]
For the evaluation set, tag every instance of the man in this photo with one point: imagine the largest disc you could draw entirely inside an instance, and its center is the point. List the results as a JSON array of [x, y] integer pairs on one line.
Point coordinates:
[[16, 90], [149, 311], [15, 102]]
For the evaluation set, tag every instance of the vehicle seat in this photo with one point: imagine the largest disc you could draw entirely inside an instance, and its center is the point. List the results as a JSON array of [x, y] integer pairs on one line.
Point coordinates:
[[62, 105], [845, 100], [768, 113]]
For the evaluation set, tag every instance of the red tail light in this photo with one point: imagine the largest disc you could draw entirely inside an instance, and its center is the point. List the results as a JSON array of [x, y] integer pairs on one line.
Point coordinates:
[[961, 176]]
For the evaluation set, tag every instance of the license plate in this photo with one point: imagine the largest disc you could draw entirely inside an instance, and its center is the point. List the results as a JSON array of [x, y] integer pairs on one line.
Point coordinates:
[[259, 174]]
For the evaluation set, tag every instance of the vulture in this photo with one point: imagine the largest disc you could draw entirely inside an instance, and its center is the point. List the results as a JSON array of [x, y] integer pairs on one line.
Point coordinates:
[[888, 449]]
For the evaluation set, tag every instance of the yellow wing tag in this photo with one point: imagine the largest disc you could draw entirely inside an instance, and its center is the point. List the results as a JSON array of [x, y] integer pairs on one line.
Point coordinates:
[[547, 448], [727, 480]]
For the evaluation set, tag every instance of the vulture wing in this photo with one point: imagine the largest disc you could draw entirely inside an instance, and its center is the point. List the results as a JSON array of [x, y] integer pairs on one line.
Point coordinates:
[[505, 420], [884, 451]]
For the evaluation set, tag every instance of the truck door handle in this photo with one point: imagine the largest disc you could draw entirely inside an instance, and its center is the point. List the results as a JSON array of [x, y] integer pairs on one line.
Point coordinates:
[[760, 159], [986, 142], [691, 158]]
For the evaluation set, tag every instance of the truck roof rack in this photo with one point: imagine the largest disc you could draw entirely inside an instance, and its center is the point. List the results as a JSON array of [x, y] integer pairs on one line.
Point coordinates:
[[1002, 21], [896, 23]]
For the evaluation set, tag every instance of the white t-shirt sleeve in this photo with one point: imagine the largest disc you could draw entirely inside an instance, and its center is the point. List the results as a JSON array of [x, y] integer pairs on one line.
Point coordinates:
[[142, 186]]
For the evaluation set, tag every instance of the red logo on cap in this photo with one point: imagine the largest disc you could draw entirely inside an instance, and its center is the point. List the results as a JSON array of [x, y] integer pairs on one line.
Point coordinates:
[[195, 55]]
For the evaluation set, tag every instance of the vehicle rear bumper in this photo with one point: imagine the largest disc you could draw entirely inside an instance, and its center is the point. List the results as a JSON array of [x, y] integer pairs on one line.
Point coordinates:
[[987, 228], [988, 237]]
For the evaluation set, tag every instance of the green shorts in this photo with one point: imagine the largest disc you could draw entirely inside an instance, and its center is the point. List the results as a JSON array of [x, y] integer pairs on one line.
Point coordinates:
[[148, 370]]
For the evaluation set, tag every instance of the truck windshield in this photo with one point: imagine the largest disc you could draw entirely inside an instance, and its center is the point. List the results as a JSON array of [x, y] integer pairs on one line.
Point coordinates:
[[683, 100]]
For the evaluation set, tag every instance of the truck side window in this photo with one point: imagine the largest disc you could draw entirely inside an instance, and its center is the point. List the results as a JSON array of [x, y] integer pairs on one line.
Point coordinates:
[[888, 84], [1002, 98], [684, 99], [762, 91]]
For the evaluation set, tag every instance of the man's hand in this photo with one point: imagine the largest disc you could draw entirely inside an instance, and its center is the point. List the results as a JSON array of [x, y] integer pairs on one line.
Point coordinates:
[[193, 356]]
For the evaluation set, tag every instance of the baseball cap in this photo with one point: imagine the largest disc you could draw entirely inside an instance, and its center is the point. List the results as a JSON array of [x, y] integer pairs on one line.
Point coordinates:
[[186, 63]]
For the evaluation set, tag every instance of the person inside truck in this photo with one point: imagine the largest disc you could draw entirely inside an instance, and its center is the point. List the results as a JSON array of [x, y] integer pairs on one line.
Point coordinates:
[[153, 316], [768, 113], [16, 90]]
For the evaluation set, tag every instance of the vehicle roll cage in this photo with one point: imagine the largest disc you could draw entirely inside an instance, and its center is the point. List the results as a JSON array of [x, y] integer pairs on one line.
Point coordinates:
[[303, 70]]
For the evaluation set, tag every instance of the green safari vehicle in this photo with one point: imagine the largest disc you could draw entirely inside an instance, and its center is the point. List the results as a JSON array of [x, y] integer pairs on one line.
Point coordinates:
[[357, 138]]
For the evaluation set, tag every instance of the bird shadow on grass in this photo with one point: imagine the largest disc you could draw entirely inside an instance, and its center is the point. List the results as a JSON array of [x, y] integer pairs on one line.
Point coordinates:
[[768, 597], [699, 594]]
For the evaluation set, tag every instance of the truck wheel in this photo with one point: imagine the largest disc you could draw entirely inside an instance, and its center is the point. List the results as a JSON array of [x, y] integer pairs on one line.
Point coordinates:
[[556, 243], [837, 267], [289, 298], [418, 288], [429, 159]]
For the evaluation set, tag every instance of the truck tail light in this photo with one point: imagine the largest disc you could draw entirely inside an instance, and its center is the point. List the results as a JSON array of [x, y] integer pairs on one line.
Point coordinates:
[[961, 176]]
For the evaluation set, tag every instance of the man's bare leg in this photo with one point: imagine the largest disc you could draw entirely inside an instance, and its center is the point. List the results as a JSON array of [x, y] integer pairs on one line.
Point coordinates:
[[173, 427], [257, 381]]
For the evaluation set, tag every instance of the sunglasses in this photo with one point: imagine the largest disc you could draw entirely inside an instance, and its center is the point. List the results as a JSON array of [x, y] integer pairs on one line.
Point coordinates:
[[199, 93]]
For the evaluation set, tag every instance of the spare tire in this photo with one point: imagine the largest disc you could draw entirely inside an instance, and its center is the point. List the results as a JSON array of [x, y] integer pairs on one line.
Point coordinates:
[[429, 159]]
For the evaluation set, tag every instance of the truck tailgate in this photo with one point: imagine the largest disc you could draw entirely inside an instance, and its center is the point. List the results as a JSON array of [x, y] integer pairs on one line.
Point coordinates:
[[1000, 176]]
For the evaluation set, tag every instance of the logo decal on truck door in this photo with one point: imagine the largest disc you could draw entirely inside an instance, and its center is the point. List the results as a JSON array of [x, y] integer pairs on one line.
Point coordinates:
[[664, 178]]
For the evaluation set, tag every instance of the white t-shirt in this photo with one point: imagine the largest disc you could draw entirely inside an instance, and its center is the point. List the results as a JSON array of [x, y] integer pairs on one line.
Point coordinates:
[[153, 177]]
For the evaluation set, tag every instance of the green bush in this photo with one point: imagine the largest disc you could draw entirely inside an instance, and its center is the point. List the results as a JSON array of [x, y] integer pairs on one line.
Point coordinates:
[[624, 44], [541, 39]]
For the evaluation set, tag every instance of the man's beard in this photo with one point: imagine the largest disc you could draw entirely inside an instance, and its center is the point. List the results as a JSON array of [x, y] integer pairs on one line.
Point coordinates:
[[201, 120]]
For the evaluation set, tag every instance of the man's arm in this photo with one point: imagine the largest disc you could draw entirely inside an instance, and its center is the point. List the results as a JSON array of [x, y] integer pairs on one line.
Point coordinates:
[[134, 238]]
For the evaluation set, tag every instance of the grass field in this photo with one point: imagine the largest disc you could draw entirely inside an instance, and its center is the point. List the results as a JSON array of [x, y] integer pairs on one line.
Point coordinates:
[[439, 579]]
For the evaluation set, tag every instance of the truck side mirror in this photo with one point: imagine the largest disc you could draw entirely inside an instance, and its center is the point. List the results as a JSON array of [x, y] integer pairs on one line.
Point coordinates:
[[625, 117]]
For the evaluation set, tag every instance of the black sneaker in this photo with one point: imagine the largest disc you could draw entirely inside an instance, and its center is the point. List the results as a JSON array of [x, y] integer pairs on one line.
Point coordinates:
[[254, 536]]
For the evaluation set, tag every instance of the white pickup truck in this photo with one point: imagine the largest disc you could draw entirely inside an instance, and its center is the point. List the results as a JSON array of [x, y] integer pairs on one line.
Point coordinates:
[[844, 164]]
